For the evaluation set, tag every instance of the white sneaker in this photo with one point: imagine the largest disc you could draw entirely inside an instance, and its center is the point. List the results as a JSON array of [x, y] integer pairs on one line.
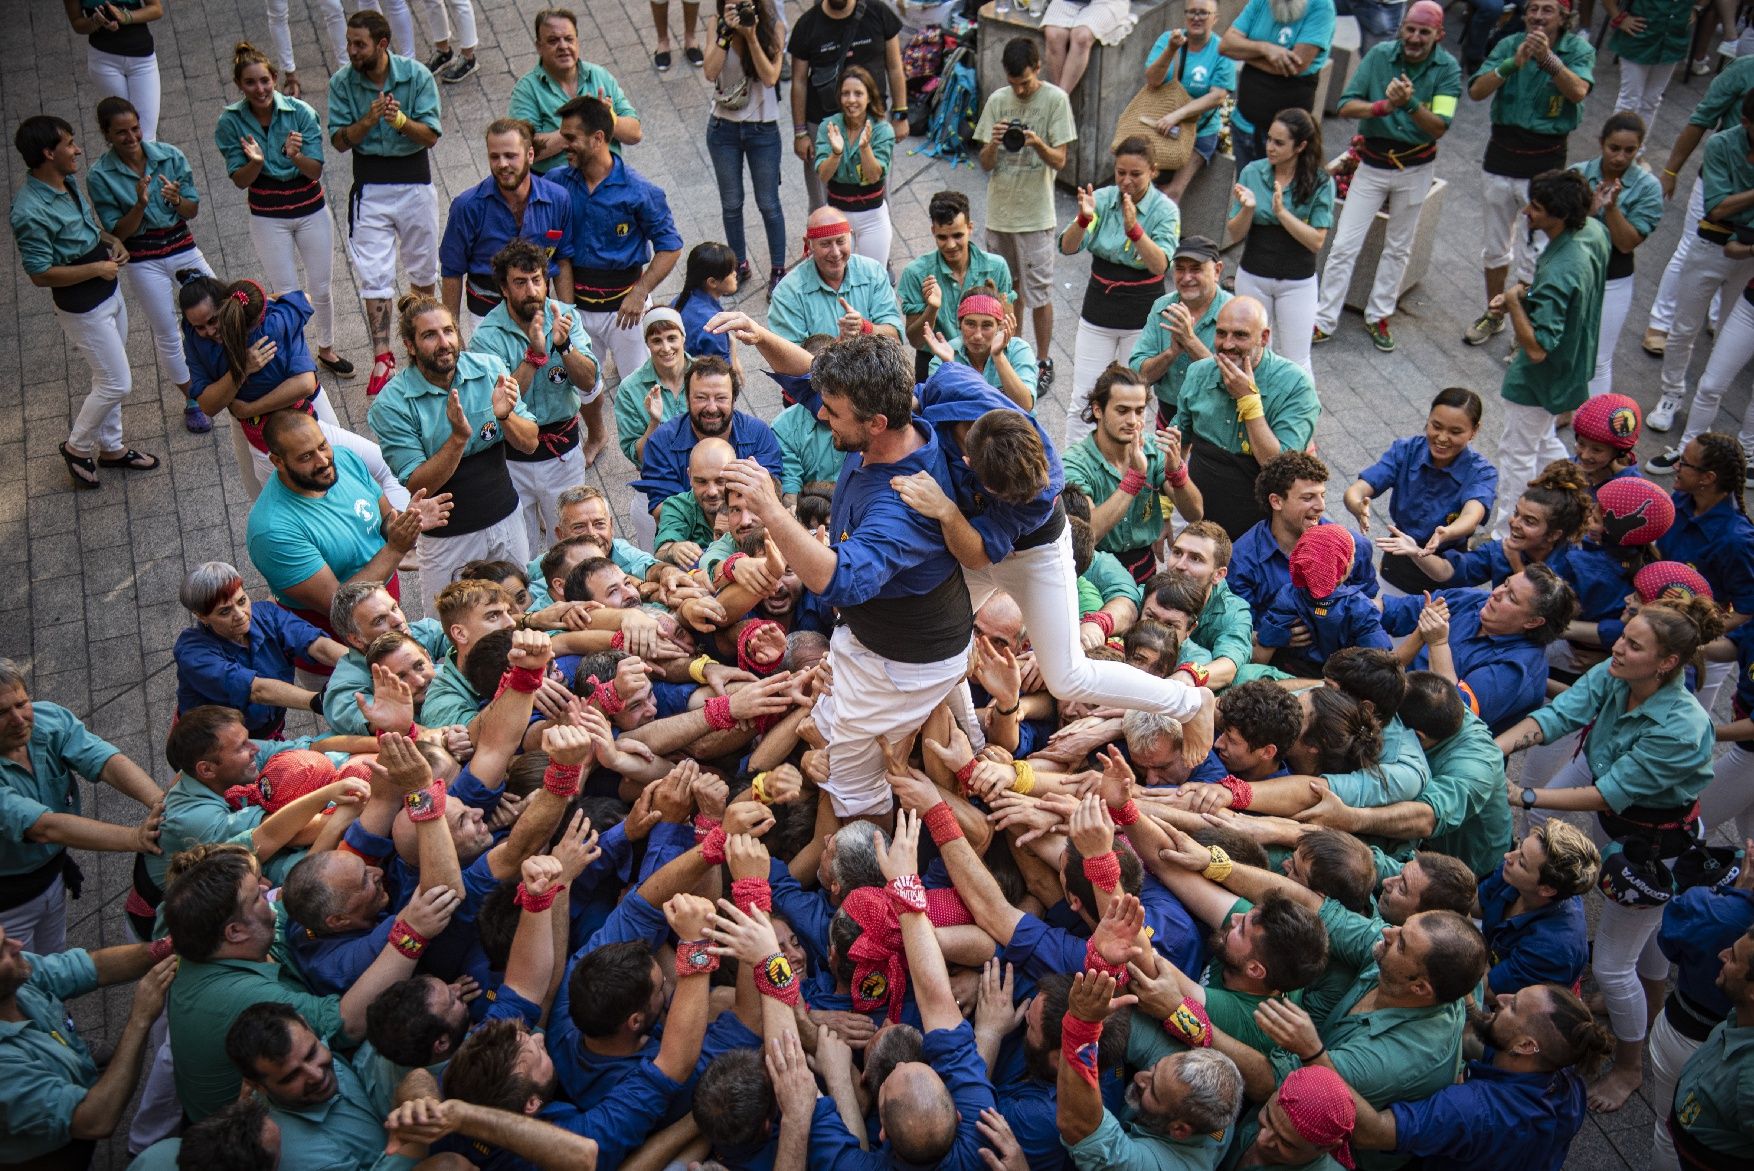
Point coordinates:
[[1663, 416], [1664, 464]]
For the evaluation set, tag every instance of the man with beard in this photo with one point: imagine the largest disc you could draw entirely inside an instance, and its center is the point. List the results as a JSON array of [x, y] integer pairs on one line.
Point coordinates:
[[323, 522], [1282, 45], [542, 342], [624, 243], [443, 426], [1182, 324], [1404, 94], [838, 292], [560, 76], [510, 204], [1237, 410], [709, 393], [384, 108], [685, 520], [1291, 493], [362, 612]]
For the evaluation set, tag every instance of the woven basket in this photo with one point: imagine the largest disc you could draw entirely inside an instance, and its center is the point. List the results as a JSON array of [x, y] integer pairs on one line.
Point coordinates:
[[1141, 117]]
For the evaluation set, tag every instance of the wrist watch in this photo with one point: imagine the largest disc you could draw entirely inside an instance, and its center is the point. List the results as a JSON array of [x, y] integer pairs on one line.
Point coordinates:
[[1528, 798]]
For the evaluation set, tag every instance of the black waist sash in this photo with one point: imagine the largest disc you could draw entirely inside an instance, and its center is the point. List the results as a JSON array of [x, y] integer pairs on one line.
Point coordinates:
[[481, 491], [285, 199], [159, 242], [87, 294], [553, 440], [1119, 296], [920, 629], [1523, 154], [1227, 480], [1261, 95], [856, 196], [602, 290], [1274, 253], [370, 170]]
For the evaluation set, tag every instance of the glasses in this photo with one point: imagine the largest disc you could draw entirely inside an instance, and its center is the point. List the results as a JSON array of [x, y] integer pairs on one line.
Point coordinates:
[[1682, 462]]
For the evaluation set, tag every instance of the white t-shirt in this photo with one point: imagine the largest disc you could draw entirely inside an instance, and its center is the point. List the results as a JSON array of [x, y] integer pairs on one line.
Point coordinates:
[[764, 100]]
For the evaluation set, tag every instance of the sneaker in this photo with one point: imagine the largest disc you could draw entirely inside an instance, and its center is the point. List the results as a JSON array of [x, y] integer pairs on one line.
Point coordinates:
[[1484, 327], [1380, 337], [775, 275], [1664, 464], [196, 421], [383, 369], [661, 60], [1663, 417], [439, 60], [742, 273], [1656, 342], [1318, 335], [1044, 377], [1700, 67], [459, 70]]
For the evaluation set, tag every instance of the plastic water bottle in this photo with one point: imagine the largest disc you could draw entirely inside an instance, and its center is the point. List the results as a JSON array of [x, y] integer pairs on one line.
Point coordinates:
[[1001, 7]]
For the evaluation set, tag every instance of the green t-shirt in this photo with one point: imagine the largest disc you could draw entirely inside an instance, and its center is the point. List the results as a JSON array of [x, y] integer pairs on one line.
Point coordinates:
[[1668, 30], [1020, 187], [1564, 305], [1437, 85], [1528, 99], [1466, 792], [1144, 519], [807, 449]]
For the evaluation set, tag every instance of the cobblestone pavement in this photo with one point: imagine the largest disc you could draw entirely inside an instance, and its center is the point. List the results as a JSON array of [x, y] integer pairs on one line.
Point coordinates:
[[88, 601]]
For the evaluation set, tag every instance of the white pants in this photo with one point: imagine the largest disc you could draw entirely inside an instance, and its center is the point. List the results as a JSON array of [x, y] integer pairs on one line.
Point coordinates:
[[1662, 310], [1094, 350], [335, 28], [1730, 796], [159, 1114], [440, 557], [261, 470], [1641, 88], [1291, 312], [1045, 585], [626, 346], [1503, 232], [1528, 443], [1666, 1055], [281, 244], [394, 218], [134, 78], [539, 486], [438, 23], [875, 699], [873, 232], [1616, 301], [40, 925], [101, 336], [1373, 189], [1735, 345], [1708, 272], [153, 284]]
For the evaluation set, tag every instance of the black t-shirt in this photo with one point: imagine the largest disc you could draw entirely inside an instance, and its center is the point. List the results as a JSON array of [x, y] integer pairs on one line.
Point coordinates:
[[830, 45]]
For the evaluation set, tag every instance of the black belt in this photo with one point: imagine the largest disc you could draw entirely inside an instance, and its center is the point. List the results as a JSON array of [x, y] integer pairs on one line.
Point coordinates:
[[1273, 253], [19, 889], [919, 629], [284, 199], [374, 170], [602, 290], [481, 491], [1687, 1020], [480, 302], [1261, 95], [1522, 154], [1048, 533]]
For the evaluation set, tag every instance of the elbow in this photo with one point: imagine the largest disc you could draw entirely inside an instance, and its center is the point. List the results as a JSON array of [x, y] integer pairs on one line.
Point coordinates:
[[628, 132], [85, 1128]]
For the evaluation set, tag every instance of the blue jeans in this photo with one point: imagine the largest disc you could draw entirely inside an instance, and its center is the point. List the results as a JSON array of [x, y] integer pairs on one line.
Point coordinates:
[[1478, 37], [1378, 20], [729, 143]]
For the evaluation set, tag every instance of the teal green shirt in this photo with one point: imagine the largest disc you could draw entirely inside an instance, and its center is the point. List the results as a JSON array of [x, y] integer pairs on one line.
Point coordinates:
[[1226, 624], [1117, 1145], [1528, 99], [1205, 409], [851, 159], [1143, 522], [631, 558], [1156, 338], [351, 94], [160, 1156], [552, 397], [1437, 85], [1668, 30], [347, 1130], [236, 122], [804, 304], [1317, 211], [714, 555], [537, 99], [1658, 754], [111, 183], [983, 267], [1401, 774], [352, 676], [1106, 236], [681, 518], [45, 1068], [193, 815], [1641, 196], [807, 448], [409, 416], [1466, 792], [1721, 107], [630, 407], [1564, 305], [60, 746], [449, 698], [1111, 580], [52, 228], [1726, 171], [1246, 1135], [1017, 352], [1714, 1100]]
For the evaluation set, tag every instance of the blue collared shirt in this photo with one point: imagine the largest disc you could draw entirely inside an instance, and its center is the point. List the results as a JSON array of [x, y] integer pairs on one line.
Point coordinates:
[[1260, 571], [1425, 495], [1495, 1118], [696, 312], [883, 548], [1486, 563], [1549, 945], [1344, 618], [1502, 676], [283, 323], [1719, 543], [1698, 924], [620, 223], [1601, 580], [664, 471], [216, 670], [480, 224]]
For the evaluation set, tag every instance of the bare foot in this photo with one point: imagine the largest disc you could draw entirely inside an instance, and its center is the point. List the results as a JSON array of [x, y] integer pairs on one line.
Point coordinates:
[[593, 449], [1610, 1093]]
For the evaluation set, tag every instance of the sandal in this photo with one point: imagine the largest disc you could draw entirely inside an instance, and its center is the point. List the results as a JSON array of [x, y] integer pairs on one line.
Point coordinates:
[[662, 61], [340, 367], [82, 468], [130, 460]]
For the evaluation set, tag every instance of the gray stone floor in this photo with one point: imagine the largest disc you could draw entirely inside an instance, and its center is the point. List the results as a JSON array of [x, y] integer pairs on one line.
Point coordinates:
[[88, 600]]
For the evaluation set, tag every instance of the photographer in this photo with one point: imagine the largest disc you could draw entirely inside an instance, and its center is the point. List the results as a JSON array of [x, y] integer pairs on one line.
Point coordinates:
[[743, 63]]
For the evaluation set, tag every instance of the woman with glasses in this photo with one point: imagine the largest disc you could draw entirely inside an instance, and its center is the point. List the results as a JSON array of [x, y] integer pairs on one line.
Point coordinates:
[[1190, 55]]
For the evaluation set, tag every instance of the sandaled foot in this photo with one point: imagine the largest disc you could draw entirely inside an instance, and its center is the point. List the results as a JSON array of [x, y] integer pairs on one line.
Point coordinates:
[[592, 450], [82, 468], [129, 461], [1612, 1090]]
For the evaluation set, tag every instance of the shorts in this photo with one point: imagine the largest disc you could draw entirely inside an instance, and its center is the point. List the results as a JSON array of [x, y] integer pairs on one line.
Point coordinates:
[[1206, 145], [1030, 257], [1109, 21]]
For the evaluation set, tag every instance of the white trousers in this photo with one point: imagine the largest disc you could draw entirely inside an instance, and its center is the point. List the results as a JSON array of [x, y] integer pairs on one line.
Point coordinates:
[[1662, 310], [1665, 1055], [438, 22], [134, 78], [1616, 301], [1373, 189], [1291, 312], [1094, 350], [1503, 232], [539, 486], [626, 346], [440, 557], [394, 219], [873, 232], [1708, 272], [1730, 796], [40, 925], [875, 699], [1735, 345], [260, 469], [101, 336], [281, 244], [1044, 583], [159, 1114], [335, 28], [153, 285], [1641, 88], [1527, 444]]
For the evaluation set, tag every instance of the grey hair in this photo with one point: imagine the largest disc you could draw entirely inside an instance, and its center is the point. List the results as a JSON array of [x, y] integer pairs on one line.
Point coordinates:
[[1143, 729], [310, 895], [803, 642], [578, 494], [855, 856], [12, 676], [1214, 1090], [346, 601], [207, 585]]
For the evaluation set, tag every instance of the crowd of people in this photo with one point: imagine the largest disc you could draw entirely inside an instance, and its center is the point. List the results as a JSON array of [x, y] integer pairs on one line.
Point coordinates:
[[907, 788]]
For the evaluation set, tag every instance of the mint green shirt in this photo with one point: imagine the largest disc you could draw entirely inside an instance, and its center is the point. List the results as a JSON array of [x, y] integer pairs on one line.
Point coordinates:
[[851, 159], [353, 676], [552, 397], [112, 183], [807, 450], [630, 407], [1726, 171], [45, 1068], [1400, 775], [1205, 409], [1120, 1144], [351, 94], [1111, 580], [983, 267], [52, 228], [1106, 236], [1226, 624], [1714, 1098], [1155, 338], [1017, 352], [60, 747], [1144, 519], [409, 416], [288, 115], [347, 1130], [1466, 792], [537, 99], [804, 304], [449, 698]]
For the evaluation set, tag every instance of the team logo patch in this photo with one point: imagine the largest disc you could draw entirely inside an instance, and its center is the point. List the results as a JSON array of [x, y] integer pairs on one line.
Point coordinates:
[[489, 431], [365, 511], [1086, 1055], [557, 373], [623, 229], [875, 986], [1623, 422], [779, 972]]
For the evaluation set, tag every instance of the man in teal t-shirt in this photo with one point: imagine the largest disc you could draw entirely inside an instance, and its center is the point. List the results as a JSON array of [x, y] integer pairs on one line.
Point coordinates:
[[1281, 61]]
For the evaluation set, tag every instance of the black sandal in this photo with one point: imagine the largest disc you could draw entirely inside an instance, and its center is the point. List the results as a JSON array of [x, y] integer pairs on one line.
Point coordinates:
[[130, 460], [82, 468], [340, 367]]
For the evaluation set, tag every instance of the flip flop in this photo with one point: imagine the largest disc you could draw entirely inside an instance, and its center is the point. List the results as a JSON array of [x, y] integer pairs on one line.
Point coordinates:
[[82, 468], [130, 460]]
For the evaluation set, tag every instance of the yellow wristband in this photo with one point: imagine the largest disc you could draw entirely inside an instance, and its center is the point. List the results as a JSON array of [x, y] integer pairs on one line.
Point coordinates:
[[697, 669], [759, 787], [1220, 867], [1671, 174], [399, 121], [1249, 407], [1025, 782]]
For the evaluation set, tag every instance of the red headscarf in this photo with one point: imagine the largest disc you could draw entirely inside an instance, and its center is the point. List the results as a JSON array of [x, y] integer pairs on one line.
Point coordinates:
[[1319, 1105], [1321, 560]]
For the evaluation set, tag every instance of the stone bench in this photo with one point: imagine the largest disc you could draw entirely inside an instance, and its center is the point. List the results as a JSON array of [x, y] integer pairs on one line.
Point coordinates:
[[1205, 206], [1424, 239], [1343, 57]]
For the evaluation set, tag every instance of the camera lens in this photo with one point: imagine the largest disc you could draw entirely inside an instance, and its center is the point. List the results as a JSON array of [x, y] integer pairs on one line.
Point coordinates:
[[1013, 139]]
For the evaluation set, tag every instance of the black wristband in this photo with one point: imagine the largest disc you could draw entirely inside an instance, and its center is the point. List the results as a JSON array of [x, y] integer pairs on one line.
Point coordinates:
[[1314, 1057], [1009, 711], [563, 346], [316, 703]]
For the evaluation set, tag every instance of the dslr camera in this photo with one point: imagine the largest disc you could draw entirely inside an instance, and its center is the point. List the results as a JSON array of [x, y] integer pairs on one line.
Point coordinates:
[[1014, 138]]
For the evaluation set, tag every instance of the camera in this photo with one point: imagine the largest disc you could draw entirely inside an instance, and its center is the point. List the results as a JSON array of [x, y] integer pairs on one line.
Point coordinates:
[[1014, 138], [746, 13]]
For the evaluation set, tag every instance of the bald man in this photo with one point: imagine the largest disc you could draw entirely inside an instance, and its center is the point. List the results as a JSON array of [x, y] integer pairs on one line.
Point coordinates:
[[685, 521], [1237, 410], [835, 291]]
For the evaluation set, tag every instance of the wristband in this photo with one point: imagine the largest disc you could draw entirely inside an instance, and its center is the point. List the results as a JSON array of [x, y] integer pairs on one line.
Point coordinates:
[[1134, 482], [316, 702], [1249, 407], [562, 780], [1136, 233], [1507, 67], [535, 357], [1220, 867], [867, 327], [1671, 174], [1619, 19], [426, 804], [774, 978], [605, 695], [533, 903], [1079, 1041], [406, 940], [399, 121], [1201, 676], [712, 847], [160, 948], [1008, 711], [1025, 782], [525, 680], [1094, 962], [1085, 219], [966, 774], [563, 346], [718, 713], [1103, 871], [1189, 1024], [751, 893], [697, 669], [746, 660], [1380, 108], [907, 893], [1102, 619], [723, 576], [1314, 1057], [758, 786], [1178, 478], [1124, 815], [694, 957], [1242, 794], [941, 823], [412, 732], [618, 641]]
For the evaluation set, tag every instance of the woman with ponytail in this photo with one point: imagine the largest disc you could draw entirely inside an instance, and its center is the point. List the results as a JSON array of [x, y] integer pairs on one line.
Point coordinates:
[[1645, 760], [984, 341], [1547, 522]]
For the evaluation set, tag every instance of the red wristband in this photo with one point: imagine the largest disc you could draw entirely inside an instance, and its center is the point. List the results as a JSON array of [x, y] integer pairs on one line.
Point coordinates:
[[1380, 108], [1619, 19], [426, 804], [941, 823], [1079, 1041], [1085, 219], [966, 774], [774, 977], [867, 327], [618, 641], [1177, 478], [712, 847], [562, 779], [694, 957], [536, 903], [406, 940], [718, 713], [1093, 962], [1242, 794], [1134, 482], [1136, 233], [1104, 871], [723, 576], [525, 680], [1103, 619], [412, 732], [1125, 814], [750, 893], [160, 948]]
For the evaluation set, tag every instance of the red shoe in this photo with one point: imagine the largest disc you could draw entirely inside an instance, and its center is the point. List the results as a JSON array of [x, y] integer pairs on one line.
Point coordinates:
[[383, 369]]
